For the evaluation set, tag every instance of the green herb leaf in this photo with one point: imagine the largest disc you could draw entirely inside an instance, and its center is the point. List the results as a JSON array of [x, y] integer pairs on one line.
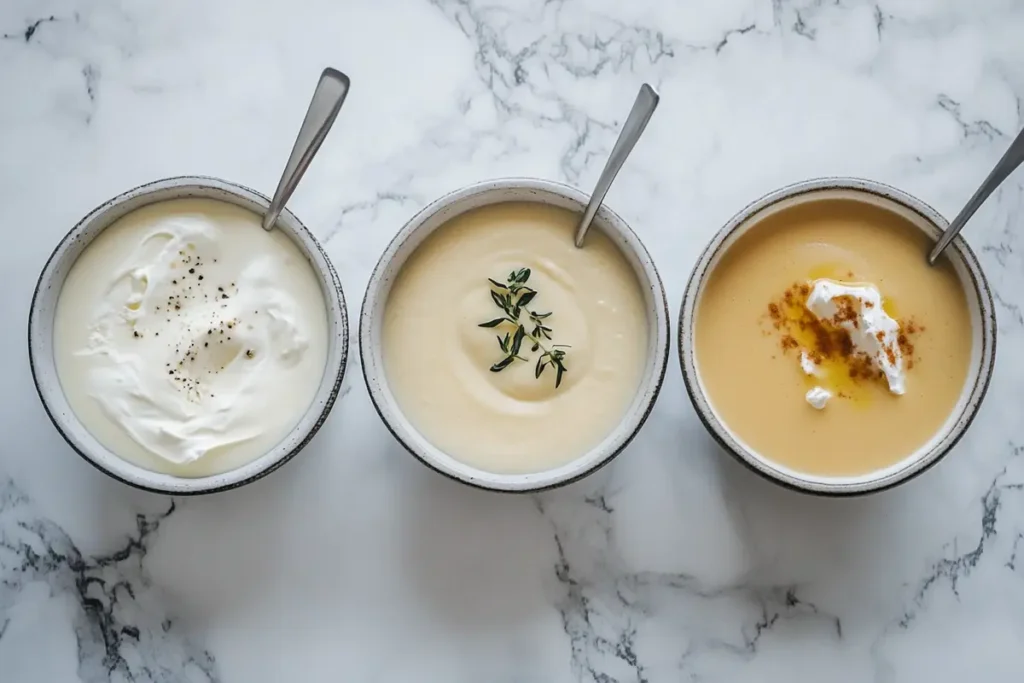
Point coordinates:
[[502, 364], [517, 340], [512, 298], [519, 277], [525, 299]]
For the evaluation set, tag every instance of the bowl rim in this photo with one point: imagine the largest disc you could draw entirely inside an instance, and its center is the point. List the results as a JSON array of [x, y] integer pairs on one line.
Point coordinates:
[[127, 472], [633, 419], [917, 462]]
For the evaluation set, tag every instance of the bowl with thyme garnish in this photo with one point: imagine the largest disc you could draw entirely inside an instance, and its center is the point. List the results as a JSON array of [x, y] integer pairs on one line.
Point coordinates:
[[501, 355]]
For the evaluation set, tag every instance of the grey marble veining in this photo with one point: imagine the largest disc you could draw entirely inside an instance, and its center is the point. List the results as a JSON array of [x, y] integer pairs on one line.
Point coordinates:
[[356, 563], [122, 630]]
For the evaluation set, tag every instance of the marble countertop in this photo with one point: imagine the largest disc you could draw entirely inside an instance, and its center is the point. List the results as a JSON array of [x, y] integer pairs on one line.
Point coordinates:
[[355, 562]]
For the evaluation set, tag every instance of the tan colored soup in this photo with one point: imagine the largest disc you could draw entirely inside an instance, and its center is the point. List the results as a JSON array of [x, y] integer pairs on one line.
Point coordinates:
[[437, 359], [757, 388]]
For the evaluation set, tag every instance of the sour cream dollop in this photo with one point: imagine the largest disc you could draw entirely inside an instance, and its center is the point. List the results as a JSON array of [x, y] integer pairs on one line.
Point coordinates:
[[188, 339], [872, 331], [818, 397], [808, 365]]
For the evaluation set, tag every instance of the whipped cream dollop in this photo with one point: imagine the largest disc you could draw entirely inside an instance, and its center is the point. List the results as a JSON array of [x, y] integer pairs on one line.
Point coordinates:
[[808, 365], [857, 309], [209, 333], [818, 397]]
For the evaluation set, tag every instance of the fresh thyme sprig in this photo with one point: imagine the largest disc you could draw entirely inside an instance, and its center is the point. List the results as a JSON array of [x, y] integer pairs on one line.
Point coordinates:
[[512, 297]]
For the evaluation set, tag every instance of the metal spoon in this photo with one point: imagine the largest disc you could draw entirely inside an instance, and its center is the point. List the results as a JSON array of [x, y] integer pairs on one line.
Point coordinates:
[[323, 109], [644, 106], [1010, 161]]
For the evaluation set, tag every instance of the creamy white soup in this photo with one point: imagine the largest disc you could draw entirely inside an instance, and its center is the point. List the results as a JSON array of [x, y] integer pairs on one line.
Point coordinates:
[[506, 346], [188, 339]]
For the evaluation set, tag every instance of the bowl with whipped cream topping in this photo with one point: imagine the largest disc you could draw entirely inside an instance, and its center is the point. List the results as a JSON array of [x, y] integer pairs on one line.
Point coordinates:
[[180, 347], [821, 349]]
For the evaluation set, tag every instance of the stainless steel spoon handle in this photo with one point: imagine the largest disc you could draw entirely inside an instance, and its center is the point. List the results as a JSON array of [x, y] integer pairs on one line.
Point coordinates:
[[644, 106], [323, 109], [1010, 161]]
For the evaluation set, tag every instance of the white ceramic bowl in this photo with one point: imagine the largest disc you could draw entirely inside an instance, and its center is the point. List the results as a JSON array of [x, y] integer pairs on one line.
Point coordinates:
[[44, 304], [979, 301], [413, 234]]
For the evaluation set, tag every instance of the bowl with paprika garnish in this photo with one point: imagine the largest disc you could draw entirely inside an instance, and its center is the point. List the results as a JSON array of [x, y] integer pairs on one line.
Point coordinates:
[[822, 350]]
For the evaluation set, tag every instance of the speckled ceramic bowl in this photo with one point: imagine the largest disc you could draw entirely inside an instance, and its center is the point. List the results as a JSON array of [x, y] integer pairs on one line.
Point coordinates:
[[979, 301], [44, 304], [412, 235]]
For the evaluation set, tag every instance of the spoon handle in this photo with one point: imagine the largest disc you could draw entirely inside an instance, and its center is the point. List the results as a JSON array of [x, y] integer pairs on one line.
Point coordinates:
[[1010, 161], [643, 108], [323, 109]]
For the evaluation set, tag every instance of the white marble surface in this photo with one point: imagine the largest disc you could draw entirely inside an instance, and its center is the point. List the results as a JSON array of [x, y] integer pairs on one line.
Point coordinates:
[[354, 562]]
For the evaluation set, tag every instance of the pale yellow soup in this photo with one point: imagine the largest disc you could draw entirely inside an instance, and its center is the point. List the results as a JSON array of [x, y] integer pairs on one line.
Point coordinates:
[[437, 358]]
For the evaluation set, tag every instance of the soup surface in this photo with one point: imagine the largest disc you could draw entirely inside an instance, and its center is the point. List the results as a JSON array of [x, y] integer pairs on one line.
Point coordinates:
[[584, 330], [804, 397]]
